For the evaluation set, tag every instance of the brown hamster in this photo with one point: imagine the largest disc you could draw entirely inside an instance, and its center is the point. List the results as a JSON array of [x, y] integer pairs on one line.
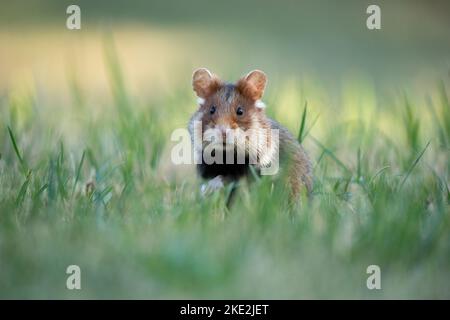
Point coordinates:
[[237, 108]]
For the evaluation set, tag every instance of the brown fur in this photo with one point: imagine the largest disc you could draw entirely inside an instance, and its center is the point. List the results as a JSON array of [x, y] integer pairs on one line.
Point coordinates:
[[245, 93]]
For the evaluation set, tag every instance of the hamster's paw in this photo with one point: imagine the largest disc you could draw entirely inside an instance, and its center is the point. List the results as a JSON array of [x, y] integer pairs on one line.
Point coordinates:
[[212, 186]]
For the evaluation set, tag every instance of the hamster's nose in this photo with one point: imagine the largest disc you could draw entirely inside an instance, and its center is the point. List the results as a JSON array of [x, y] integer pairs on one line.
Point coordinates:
[[224, 135]]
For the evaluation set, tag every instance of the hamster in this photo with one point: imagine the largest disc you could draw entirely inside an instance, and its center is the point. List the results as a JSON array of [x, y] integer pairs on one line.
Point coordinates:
[[237, 109]]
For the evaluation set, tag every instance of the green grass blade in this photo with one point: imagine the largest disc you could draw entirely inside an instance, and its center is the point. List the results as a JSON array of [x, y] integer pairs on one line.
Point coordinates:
[[358, 163], [60, 173], [413, 165], [16, 150], [378, 173], [302, 124], [23, 189], [78, 172], [41, 189], [312, 126], [332, 155]]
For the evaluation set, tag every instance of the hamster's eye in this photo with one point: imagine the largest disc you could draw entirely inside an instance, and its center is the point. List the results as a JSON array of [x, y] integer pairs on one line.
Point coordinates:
[[212, 110], [240, 111]]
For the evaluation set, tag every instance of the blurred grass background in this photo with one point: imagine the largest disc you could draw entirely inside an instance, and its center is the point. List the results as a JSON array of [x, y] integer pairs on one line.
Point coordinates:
[[85, 171]]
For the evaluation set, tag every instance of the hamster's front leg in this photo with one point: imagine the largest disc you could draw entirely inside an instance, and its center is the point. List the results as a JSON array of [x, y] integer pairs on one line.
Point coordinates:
[[212, 185]]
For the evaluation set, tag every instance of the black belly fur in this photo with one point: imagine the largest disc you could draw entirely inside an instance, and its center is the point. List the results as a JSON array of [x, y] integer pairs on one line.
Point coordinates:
[[232, 171]]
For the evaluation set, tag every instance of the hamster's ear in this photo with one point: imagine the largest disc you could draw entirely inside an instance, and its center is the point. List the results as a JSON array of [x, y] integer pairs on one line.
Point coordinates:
[[204, 82], [253, 84]]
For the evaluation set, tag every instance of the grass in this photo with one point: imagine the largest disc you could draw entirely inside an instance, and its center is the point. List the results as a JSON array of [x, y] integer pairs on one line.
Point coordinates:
[[107, 199]]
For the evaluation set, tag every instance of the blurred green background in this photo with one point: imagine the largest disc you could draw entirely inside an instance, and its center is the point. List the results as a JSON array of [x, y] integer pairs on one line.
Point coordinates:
[[326, 39], [85, 171]]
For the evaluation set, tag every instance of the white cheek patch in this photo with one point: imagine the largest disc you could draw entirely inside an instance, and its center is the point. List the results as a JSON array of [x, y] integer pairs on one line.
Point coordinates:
[[200, 101], [259, 104]]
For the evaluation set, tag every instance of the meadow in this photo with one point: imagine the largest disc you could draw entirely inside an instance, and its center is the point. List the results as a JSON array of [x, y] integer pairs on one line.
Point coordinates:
[[86, 179]]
